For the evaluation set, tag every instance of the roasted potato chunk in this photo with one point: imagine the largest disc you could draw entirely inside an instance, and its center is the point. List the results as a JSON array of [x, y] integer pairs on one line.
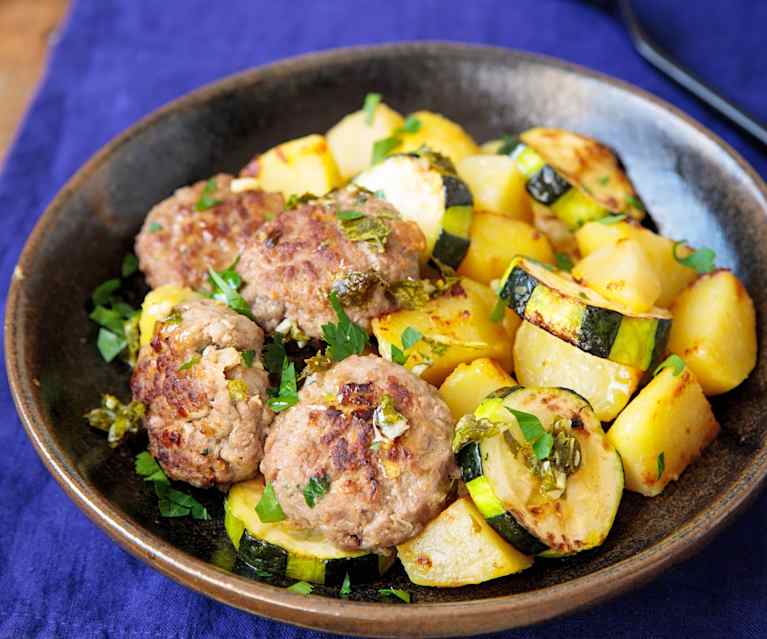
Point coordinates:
[[470, 383]]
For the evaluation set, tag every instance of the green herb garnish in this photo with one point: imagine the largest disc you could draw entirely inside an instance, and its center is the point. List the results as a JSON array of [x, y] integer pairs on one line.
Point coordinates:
[[349, 215], [661, 465], [508, 144], [499, 311], [129, 265], [410, 337], [412, 294], [274, 354], [702, 260], [344, 338], [391, 593], [287, 395], [116, 418], [604, 180], [366, 228], [315, 489], [384, 146], [372, 100], [612, 219], [110, 344], [564, 262], [472, 429], [108, 318], [192, 361], [411, 125], [674, 362], [302, 588], [355, 287], [398, 356], [346, 588], [172, 502], [534, 433], [207, 201], [224, 286], [154, 227], [103, 292], [295, 200], [247, 358], [635, 202], [268, 508]]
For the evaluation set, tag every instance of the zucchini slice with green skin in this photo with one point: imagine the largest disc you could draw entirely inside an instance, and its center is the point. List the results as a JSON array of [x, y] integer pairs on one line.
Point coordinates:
[[424, 188], [283, 549], [582, 317], [507, 490]]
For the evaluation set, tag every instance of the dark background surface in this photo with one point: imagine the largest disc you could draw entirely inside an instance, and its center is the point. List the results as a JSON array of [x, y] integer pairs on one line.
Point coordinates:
[[116, 61]]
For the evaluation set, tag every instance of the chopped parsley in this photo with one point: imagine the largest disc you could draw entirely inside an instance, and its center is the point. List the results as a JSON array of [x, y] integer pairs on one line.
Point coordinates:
[[296, 200], [116, 418], [499, 311], [207, 201], [534, 433], [372, 100], [110, 344], [661, 465], [103, 292], [410, 337], [635, 202], [383, 147], [154, 227], [129, 265], [674, 362], [192, 361], [346, 588], [412, 125], [564, 262], [268, 508], [344, 338], [398, 356], [302, 588], [287, 394], [365, 228], [394, 593], [508, 144], [412, 294], [108, 318], [172, 502], [247, 358], [224, 287], [349, 215], [274, 354], [388, 419], [702, 260], [315, 489], [612, 219]]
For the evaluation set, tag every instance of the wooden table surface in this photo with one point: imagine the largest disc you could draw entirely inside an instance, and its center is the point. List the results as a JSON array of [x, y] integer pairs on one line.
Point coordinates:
[[27, 27]]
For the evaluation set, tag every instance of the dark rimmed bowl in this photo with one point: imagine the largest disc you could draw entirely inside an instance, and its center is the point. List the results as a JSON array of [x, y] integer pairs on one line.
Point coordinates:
[[694, 184]]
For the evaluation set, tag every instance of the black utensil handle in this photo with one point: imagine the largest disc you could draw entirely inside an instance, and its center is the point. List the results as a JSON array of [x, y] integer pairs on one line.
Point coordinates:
[[683, 76]]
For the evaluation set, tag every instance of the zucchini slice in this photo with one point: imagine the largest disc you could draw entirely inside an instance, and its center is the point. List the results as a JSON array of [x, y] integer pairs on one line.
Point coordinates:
[[589, 166], [284, 549], [423, 187], [513, 489], [582, 317]]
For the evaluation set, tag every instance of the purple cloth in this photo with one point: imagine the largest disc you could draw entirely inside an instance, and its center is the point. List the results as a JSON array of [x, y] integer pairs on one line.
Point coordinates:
[[114, 62]]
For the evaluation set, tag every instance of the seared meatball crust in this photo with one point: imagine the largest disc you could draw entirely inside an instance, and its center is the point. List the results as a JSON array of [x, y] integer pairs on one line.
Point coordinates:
[[297, 259], [178, 243], [206, 411], [380, 493]]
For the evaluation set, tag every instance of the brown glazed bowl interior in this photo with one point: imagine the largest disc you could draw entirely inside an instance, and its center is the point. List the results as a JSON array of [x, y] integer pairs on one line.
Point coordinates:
[[694, 185]]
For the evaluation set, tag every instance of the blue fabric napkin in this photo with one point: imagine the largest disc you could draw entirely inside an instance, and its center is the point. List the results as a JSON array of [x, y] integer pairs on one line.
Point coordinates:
[[60, 576]]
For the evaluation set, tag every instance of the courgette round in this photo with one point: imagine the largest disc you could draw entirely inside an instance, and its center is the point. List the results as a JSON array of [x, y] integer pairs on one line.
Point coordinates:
[[509, 487], [423, 187], [582, 317], [284, 549]]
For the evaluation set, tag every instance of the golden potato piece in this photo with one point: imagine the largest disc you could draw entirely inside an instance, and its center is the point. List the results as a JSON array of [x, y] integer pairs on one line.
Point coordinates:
[[439, 134], [496, 185], [470, 383]]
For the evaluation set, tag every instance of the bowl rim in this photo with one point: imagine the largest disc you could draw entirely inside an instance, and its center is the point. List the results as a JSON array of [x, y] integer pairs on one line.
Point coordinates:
[[324, 613]]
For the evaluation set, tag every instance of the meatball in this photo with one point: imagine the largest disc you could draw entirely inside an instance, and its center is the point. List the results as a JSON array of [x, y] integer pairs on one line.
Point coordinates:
[[374, 482], [204, 389], [178, 242], [297, 259]]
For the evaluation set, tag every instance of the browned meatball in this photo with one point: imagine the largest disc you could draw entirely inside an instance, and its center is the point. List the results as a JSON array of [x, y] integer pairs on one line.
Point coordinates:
[[297, 259], [178, 243], [383, 482], [206, 411]]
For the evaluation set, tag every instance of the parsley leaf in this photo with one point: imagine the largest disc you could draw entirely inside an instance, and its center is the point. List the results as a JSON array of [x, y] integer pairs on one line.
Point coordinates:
[[346, 588], [372, 100], [274, 355], [110, 344], [129, 265], [108, 318], [673, 362], [498, 312], [349, 215], [172, 502], [612, 219], [410, 337], [508, 144], [384, 146], [388, 593], [661, 465], [702, 261], [398, 356], [154, 227], [224, 286], [534, 433], [103, 292], [564, 262], [268, 508], [411, 125], [287, 394], [247, 358], [192, 361], [302, 588], [316, 488], [207, 201], [635, 202], [345, 338]]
